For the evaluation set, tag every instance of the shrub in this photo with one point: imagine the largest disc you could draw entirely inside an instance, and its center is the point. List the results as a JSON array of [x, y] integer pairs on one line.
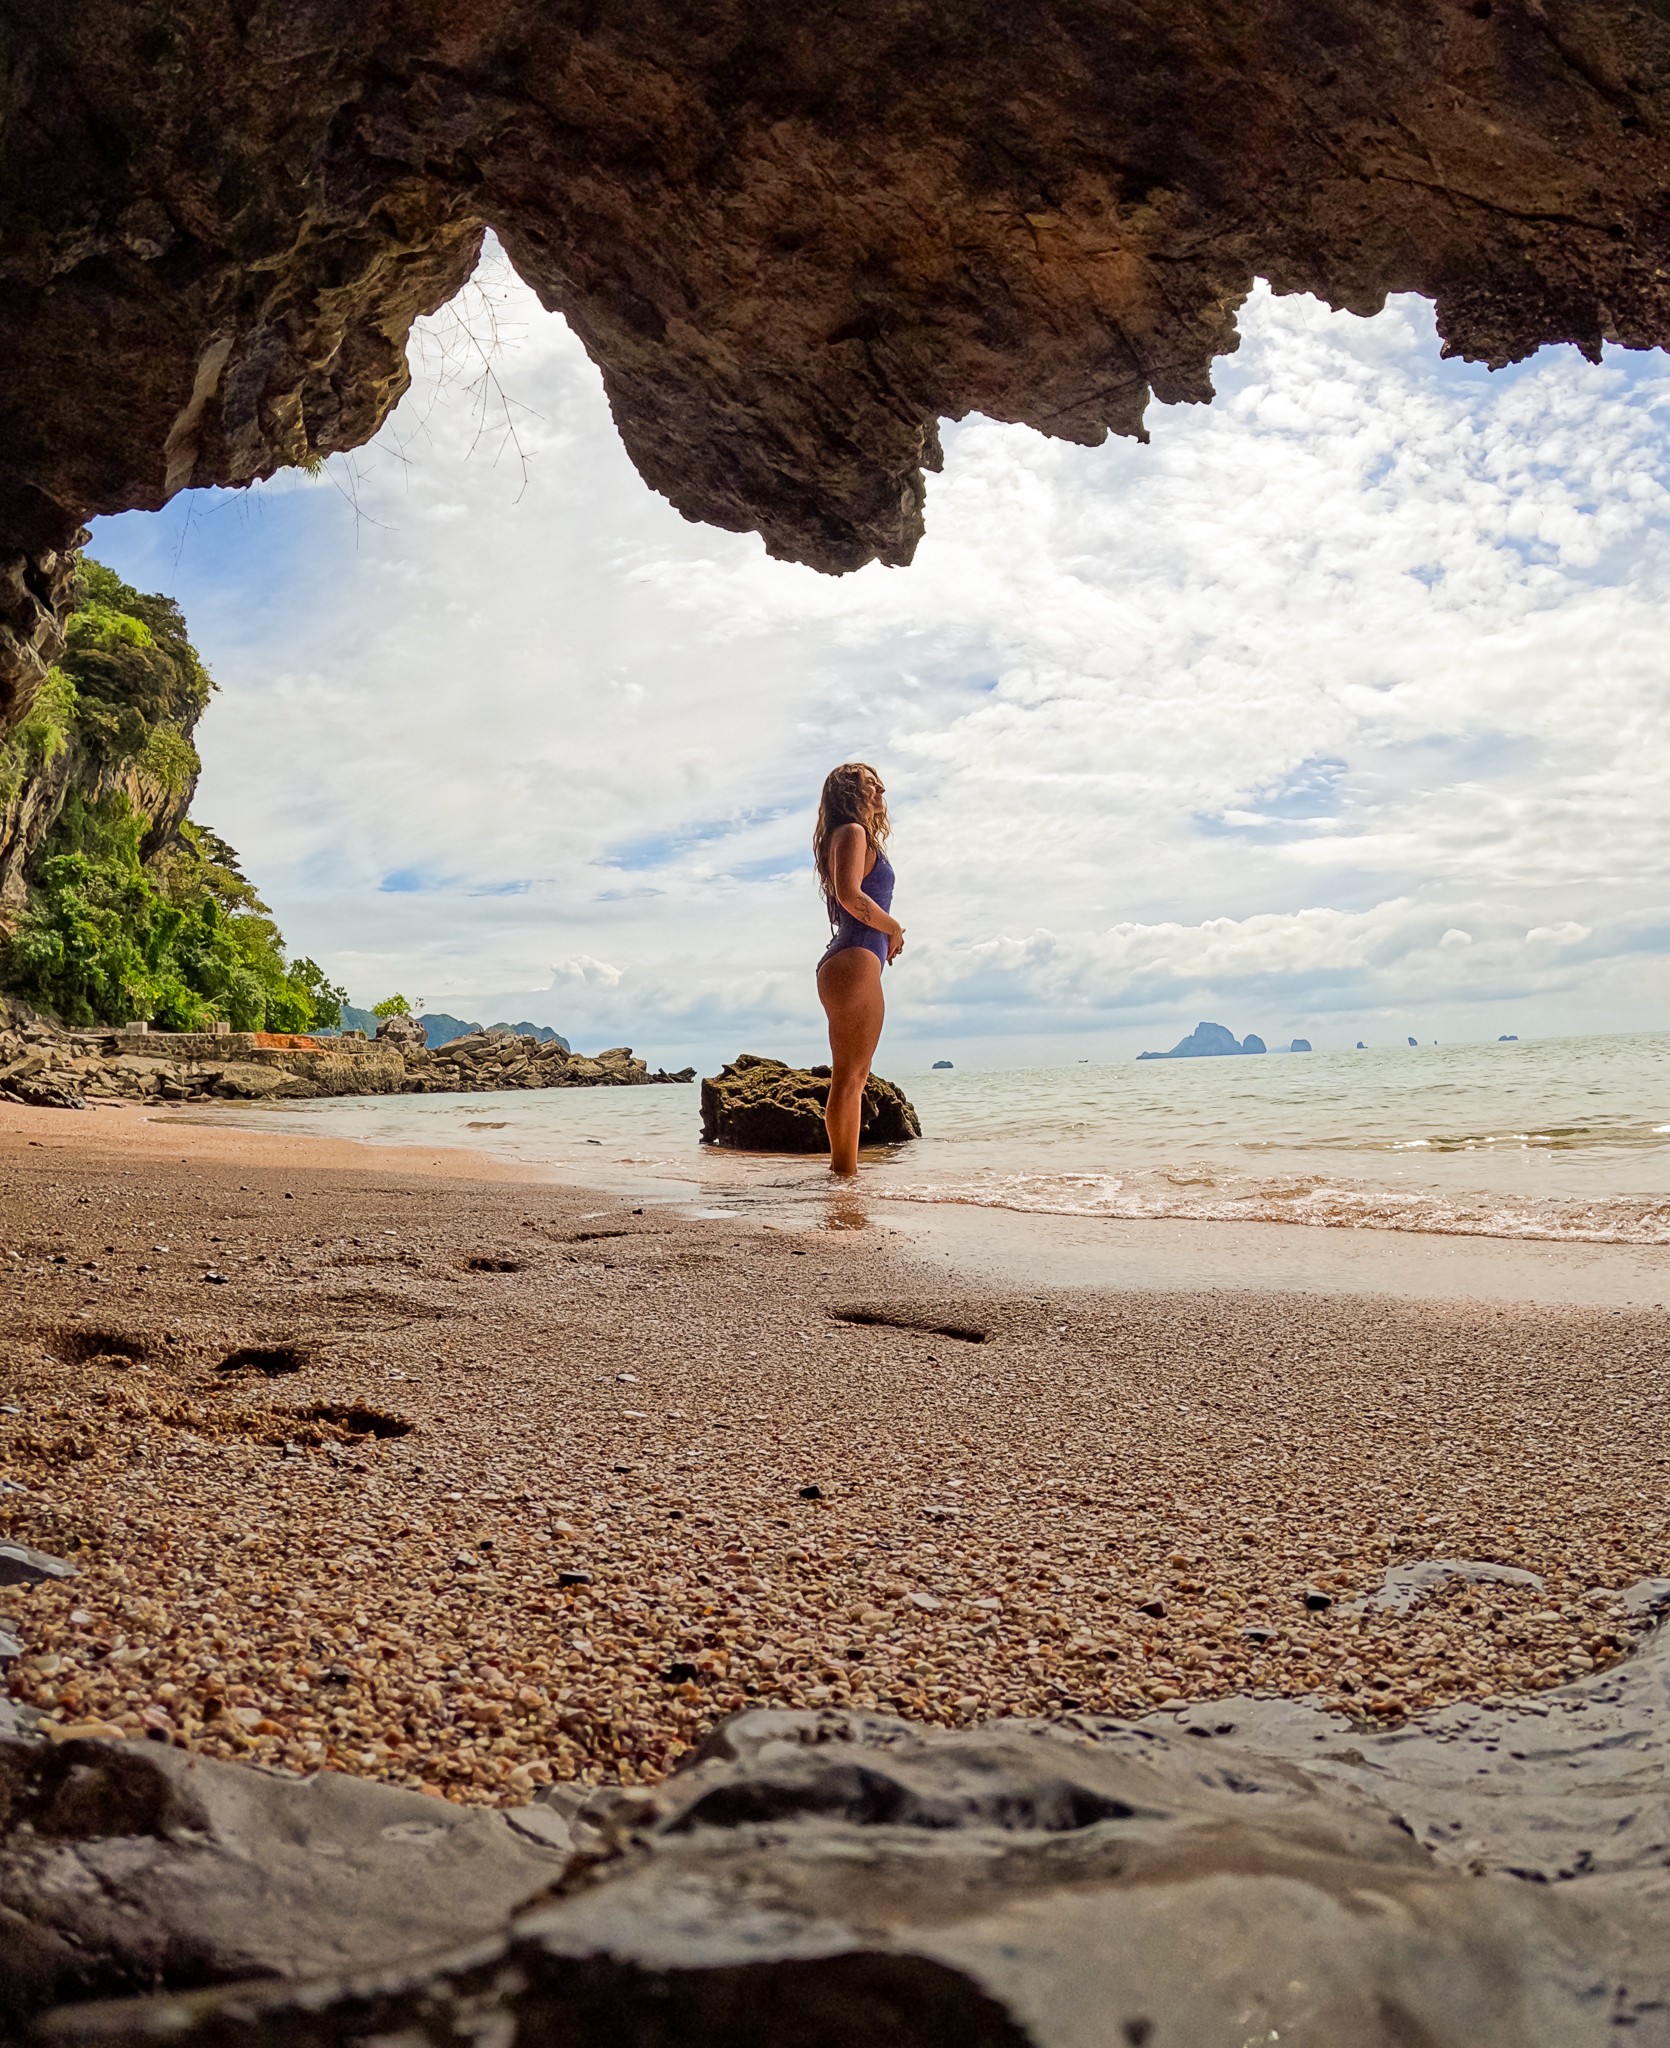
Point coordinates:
[[106, 939], [169, 760], [41, 737]]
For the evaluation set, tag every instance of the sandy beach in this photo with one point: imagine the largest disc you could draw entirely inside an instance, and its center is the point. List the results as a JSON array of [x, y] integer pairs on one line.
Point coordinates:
[[402, 1463]]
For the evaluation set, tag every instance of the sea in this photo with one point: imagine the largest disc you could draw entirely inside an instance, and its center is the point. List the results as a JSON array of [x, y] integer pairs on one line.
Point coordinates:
[[1557, 1140]]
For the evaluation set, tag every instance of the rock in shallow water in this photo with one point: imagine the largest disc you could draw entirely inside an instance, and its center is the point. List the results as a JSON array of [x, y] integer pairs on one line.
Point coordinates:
[[760, 1105]]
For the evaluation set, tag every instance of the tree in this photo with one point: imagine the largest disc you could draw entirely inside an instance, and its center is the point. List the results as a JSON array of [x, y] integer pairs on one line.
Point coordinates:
[[324, 997], [392, 1006]]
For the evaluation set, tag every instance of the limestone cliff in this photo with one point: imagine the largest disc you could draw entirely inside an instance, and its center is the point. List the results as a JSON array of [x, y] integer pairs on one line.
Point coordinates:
[[794, 238], [115, 718], [113, 905]]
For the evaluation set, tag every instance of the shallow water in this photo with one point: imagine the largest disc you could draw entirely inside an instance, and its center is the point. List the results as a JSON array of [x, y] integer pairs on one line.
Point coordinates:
[[1552, 1140]]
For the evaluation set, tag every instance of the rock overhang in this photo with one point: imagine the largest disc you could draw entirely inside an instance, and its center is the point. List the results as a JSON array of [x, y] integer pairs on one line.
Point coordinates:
[[793, 238]]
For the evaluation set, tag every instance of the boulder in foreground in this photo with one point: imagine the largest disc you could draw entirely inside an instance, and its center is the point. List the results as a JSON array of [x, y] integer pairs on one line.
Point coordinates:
[[132, 1866], [1248, 1870], [760, 1105]]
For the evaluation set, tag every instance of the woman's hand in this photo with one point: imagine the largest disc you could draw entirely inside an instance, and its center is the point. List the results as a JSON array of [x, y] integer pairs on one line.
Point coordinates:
[[895, 943]]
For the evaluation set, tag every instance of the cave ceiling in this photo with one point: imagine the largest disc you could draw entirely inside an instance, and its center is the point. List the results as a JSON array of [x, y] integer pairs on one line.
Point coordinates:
[[793, 234]]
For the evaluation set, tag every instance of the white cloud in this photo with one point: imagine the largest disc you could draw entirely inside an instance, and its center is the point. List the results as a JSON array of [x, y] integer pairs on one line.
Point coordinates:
[[1345, 698], [584, 969]]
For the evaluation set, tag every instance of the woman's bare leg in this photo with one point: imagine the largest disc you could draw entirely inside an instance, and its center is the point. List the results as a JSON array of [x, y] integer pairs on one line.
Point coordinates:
[[849, 987]]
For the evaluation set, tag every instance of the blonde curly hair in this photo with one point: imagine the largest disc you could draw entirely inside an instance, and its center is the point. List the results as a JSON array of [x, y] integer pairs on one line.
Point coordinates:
[[853, 794]]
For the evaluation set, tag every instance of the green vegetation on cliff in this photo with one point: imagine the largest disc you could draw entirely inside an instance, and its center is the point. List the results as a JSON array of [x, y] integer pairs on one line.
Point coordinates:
[[41, 738], [129, 909]]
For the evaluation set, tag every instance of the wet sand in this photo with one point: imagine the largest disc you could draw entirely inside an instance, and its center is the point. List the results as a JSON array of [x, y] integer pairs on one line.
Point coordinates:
[[518, 1480], [1002, 1246], [123, 1134]]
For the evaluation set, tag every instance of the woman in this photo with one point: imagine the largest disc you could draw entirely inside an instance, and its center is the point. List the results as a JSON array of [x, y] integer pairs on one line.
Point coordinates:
[[847, 846]]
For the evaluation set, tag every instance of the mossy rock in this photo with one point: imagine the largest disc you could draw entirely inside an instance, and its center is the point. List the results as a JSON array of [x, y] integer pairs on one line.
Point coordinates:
[[760, 1105]]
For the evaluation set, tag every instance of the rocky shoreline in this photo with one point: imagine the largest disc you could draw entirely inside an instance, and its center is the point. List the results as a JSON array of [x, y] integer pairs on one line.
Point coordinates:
[[47, 1068], [1484, 1879]]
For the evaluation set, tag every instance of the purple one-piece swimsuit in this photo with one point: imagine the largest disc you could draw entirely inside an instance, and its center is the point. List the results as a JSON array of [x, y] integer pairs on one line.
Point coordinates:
[[878, 886]]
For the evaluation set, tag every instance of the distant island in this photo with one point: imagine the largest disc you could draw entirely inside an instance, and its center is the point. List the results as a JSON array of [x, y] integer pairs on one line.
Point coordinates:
[[1207, 1042], [941, 1067]]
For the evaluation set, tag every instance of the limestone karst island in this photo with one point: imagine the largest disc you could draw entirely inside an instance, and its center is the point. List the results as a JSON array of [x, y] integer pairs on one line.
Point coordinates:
[[503, 1539]]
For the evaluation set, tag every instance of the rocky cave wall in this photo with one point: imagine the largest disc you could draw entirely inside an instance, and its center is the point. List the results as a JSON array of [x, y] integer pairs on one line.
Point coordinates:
[[794, 236]]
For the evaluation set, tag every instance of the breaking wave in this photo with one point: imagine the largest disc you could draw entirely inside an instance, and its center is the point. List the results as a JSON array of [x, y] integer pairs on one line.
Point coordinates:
[[1314, 1201]]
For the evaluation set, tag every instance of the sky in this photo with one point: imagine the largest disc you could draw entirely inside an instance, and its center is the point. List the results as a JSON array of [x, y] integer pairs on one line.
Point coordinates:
[[1338, 711]]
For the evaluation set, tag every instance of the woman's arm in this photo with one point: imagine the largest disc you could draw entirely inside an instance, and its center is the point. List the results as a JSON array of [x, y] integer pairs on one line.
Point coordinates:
[[848, 852]]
